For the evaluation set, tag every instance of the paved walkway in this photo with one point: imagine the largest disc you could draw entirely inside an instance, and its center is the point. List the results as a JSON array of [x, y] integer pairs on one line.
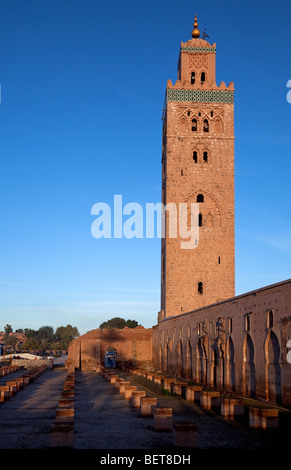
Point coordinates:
[[105, 420], [113, 423], [27, 416]]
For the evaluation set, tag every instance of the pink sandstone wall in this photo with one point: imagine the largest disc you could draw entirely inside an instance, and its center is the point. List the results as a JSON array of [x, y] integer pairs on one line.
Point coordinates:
[[133, 345], [185, 178], [239, 344]]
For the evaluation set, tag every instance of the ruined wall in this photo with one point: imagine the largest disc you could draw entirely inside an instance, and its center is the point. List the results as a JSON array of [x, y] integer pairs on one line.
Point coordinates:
[[32, 363], [133, 345], [239, 344]]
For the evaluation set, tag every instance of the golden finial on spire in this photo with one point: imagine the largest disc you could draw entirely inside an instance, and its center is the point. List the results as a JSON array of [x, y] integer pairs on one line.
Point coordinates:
[[195, 32]]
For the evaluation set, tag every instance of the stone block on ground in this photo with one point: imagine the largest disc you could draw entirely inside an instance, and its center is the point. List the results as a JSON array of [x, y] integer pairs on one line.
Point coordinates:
[[62, 435], [185, 434], [163, 419], [136, 396], [147, 406]]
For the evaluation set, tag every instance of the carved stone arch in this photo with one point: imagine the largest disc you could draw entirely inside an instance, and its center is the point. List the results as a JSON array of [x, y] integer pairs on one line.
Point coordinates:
[[161, 356], [181, 359], [195, 155], [248, 366], [182, 124], [205, 123], [204, 150], [211, 206], [201, 362], [191, 72], [230, 365], [189, 360], [167, 352], [202, 71], [191, 196], [273, 368], [218, 125], [194, 119], [215, 365]]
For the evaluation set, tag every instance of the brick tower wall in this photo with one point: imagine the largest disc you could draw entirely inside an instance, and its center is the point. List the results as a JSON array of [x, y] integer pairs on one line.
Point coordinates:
[[198, 161]]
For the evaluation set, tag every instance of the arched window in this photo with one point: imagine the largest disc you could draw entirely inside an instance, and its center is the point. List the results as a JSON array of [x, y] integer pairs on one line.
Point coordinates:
[[205, 156], [192, 78], [202, 77], [270, 319], [230, 325], [200, 288], [205, 125], [200, 198], [194, 125], [217, 126], [247, 323], [195, 156], [200, 220]]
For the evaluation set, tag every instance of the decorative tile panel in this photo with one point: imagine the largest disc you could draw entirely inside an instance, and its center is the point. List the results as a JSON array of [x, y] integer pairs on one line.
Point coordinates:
[[198, 49], [201, 96]]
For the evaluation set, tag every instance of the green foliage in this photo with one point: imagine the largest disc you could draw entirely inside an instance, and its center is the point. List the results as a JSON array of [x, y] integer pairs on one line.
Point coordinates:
[[8, 329], [131, 323], [31, 343], [65, 334], [10, 341], [118, 322], [46, 338]]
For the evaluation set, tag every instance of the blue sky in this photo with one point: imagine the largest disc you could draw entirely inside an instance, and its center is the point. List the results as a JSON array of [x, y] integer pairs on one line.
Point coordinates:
[[82, 91]]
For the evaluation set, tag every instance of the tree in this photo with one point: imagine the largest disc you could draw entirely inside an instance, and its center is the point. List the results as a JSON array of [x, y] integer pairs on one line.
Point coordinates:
[[29, 333], [31, 343], [131, 323], [8, 329], [45, 336], [118, 322], [11, 341], [65, 335]]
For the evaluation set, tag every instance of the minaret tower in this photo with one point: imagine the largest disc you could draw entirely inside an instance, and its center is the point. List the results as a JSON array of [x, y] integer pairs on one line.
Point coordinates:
[[198, 166]]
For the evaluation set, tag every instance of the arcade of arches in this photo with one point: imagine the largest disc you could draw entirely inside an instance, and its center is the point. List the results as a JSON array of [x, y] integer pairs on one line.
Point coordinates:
[[238, 345]]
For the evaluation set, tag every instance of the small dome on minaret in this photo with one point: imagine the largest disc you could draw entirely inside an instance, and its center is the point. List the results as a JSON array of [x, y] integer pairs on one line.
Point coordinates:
[[195, 32]]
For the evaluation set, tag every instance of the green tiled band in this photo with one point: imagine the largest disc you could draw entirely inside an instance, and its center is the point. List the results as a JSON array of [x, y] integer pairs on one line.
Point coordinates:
[[201, 96], [198, 49]]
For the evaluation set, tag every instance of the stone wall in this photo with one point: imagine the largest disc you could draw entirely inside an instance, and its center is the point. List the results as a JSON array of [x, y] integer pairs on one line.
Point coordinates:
[[30, 364], [239, 345], [133, 345]]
